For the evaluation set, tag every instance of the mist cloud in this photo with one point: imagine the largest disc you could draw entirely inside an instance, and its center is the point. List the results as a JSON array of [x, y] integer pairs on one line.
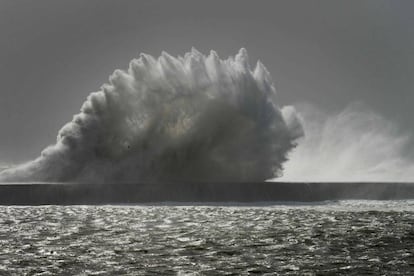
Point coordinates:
[[355, 144]]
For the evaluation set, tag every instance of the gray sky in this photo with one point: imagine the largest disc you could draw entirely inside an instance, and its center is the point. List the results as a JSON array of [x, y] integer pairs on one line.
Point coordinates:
[[329, 53]]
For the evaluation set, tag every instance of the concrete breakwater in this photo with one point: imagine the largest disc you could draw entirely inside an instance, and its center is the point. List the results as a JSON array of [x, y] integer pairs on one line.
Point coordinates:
[[249, 192]]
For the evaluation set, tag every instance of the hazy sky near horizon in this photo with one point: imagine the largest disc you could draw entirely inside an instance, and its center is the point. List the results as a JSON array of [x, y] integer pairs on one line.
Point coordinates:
[[328, 53]]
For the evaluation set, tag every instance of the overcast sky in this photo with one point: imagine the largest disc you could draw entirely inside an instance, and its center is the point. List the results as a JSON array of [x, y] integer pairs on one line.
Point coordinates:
[[329, 53]]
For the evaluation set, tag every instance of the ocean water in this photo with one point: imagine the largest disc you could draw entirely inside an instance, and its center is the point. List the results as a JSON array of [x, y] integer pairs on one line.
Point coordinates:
[[326, 238]]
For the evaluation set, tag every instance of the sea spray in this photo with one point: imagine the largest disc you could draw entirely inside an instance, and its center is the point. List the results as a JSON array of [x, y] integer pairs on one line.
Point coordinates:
[[355, 144], [191, 118]]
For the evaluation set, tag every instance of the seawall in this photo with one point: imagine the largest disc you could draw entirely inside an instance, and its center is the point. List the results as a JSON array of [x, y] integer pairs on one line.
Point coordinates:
[[136, 193]]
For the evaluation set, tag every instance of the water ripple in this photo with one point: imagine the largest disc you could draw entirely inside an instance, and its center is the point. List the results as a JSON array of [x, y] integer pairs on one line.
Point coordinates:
[[342, 238]]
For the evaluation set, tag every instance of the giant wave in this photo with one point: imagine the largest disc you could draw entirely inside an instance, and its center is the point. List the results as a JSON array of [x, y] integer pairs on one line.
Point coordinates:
[[191, 118]]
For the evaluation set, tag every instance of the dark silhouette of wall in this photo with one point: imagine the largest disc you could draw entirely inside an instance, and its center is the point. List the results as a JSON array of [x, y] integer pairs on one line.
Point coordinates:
[[130, 193]]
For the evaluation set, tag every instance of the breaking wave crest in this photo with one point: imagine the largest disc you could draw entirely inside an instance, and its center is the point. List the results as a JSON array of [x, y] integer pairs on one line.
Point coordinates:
[[188, 118]]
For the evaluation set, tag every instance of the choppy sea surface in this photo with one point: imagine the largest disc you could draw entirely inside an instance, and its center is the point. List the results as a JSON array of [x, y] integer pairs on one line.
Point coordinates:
[[326, 238]]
